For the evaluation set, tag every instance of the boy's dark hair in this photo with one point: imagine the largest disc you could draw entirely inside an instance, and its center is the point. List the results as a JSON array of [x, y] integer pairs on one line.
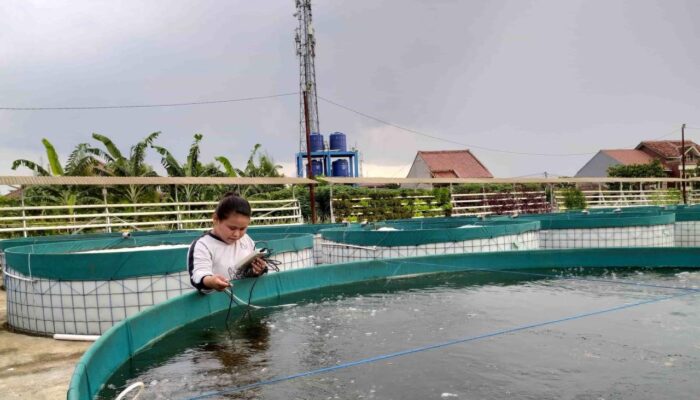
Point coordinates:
[[232, 203]]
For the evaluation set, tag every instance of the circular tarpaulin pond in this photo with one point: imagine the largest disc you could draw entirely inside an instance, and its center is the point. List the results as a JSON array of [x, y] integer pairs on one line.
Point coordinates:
[[536, 324], [86, 286]]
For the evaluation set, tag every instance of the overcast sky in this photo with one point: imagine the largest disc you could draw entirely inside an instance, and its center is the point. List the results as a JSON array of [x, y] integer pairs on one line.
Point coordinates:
[[498, 77]]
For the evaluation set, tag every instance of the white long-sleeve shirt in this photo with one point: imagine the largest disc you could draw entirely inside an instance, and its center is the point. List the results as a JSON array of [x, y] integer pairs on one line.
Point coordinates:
[[210, 255]]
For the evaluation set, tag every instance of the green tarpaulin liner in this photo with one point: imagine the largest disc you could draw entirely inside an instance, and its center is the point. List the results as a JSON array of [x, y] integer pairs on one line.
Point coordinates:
[[8, 243], [412, 235], [59, 260]]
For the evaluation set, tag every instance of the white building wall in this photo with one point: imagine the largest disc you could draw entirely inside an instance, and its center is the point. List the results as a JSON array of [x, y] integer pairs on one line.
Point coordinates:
[[597, 166]]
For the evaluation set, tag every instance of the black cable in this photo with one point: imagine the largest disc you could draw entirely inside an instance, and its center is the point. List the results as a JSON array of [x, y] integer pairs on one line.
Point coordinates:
[[230, 305], [448, 140], [270, 264], [193, 103]]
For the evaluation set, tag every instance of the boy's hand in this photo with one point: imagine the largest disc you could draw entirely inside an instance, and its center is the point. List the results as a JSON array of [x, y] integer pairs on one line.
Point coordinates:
[[258, 266], [216, 282]]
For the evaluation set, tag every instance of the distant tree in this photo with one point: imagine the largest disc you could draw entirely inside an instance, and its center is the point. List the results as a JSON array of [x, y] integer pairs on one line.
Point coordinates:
[[653, 169]]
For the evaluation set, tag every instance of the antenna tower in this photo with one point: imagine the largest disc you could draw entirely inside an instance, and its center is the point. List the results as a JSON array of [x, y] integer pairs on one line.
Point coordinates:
[[306, 51]]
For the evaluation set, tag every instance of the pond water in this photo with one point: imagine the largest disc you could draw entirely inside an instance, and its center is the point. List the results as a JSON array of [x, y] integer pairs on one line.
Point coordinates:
[[650, 351]]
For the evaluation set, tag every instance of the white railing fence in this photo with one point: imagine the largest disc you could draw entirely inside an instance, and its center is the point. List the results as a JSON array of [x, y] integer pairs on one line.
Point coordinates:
[[629, 197], [521, 196], [33, 220]]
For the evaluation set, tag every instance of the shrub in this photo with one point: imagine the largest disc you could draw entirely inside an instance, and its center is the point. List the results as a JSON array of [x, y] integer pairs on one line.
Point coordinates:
[[574, 199]]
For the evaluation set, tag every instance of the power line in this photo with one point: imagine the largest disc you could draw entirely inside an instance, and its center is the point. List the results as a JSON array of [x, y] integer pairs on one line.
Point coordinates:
[[669, 134], [400, 170], [448, 140], [193, 103], [530, 175]]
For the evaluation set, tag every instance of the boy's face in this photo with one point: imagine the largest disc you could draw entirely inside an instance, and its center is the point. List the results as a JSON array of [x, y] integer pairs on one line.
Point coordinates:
[[232, 228]]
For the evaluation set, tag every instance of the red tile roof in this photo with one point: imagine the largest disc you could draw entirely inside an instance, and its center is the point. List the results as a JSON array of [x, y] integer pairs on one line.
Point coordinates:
[[454, 164], [444, 174], [666, 148], [628, 157]]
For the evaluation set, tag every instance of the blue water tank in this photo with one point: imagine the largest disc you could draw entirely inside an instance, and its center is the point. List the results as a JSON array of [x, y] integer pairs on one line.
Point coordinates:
[[338, 142], [316, 167], [341, 168], [316, 140]]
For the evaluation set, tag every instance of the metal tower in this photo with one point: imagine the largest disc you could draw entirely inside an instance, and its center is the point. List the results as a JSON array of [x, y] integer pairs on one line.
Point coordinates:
[[306, 51]]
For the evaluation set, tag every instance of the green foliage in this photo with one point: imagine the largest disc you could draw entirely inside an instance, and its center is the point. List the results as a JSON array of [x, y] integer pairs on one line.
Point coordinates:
[[54, 163], [574, 199], [6, 201], [358, 204], [494, 187], [113, 163], [666, 197], [38, 169], [228, 167], [259, 164], [55, 168], [653, 169], [192, 167], [109, 160]]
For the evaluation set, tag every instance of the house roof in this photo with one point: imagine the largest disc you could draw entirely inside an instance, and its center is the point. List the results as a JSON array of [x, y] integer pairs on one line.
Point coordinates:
[[450, 173], [667, 148], [629, 156], [14, 194], [454, 164]]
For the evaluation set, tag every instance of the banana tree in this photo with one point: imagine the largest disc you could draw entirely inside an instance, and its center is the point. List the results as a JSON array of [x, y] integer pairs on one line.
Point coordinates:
[[192, 167], [55, 168], [259, 165], [80, 163], [116, 164]]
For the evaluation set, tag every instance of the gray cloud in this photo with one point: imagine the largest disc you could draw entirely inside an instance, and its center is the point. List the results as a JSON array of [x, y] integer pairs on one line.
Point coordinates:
[[539, 77]]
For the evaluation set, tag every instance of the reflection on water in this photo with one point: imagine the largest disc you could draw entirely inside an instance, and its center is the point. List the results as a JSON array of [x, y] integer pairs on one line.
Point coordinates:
[[647, 352]]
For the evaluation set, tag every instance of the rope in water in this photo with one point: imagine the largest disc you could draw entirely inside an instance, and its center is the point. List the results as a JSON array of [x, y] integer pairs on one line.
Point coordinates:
[[272, 381]]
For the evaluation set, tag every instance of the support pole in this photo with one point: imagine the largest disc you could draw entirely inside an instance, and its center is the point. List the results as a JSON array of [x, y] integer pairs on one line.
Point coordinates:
[[107, 218], [685, 196], [330, 200], [309, 170], [24, 213], [177, 210]]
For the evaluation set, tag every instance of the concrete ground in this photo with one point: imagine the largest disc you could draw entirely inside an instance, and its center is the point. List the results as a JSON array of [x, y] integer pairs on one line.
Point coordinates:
[[34, 367]]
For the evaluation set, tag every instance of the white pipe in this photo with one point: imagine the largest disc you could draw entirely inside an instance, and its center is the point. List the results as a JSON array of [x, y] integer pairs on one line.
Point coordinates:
[[136, 385], [13, 276], [78, 338], [334, 244]]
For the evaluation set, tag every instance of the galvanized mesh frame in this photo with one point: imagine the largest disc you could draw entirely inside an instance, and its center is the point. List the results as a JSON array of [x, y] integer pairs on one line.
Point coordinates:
[[632, 236], [334, 252]]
